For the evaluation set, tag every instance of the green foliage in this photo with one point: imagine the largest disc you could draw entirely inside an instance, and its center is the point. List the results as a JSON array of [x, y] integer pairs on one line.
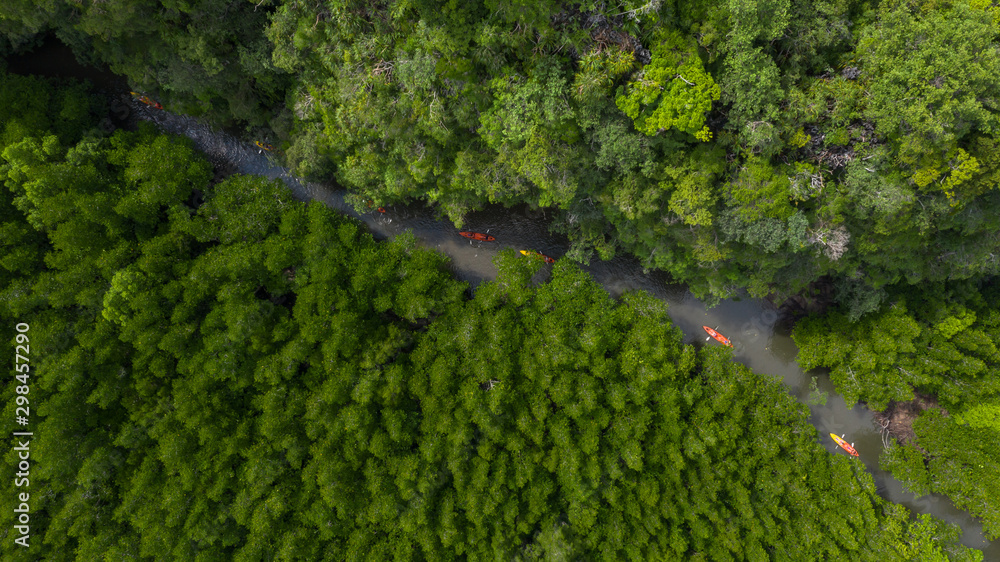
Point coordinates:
[[929, 73], [204, 57], [864, 358], [960, 461], [751, 85], [942, 347], [817, 397], [29, 105], [242, 371], [673, 92], [757, 21], [739, 146], [694, 196], [598, 72], [760, 192], [946, 346], [981, 416], [212, 302], [530, 126], [251, 377]]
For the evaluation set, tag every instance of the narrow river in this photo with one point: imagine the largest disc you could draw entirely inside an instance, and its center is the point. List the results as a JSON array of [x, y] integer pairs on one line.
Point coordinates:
[[751, 324]]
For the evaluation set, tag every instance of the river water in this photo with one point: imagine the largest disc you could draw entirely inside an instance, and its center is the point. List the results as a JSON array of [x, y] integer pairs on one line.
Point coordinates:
[[751, 324]]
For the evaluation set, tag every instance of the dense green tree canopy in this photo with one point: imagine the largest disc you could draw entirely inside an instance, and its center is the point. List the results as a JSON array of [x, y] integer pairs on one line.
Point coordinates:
[[850, 141], [246, 377], [932, 78], [224, 373], [683, 105], [202, 57]]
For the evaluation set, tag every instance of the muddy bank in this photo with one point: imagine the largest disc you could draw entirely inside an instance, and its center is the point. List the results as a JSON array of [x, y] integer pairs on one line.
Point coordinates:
[[897, 419]]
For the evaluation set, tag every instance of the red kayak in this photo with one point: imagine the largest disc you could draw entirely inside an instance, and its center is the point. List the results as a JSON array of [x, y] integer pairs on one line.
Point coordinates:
[[843, 444], [477, 236], [719, 337], [145, 99]]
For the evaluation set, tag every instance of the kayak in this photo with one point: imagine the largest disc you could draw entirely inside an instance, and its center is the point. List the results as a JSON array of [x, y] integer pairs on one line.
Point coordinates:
[[539, 255], [264, 146], [477, 236], [146, 100], [844, 445], [719, 337]]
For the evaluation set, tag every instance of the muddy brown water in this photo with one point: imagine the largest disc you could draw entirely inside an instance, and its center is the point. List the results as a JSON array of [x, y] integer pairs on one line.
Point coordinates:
[[749, 323]]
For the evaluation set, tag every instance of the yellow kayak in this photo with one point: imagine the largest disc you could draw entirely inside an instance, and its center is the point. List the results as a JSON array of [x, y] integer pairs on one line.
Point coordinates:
[[844, 445], [539, 255]]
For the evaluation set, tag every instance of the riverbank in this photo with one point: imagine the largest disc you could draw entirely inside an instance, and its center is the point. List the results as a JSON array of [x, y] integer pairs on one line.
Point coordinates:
[[897, 419]]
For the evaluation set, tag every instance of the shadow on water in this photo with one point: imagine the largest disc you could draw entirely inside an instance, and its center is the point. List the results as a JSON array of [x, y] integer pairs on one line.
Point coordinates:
[[749, 323]]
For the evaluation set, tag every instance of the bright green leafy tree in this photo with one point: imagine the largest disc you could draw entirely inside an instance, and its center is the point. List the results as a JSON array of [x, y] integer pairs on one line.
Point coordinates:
[[673, 92]]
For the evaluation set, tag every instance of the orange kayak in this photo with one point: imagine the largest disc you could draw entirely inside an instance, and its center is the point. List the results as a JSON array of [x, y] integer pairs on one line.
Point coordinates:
[[844, 445], [145, 99], [477, 236], [718, 337], [539, 255]]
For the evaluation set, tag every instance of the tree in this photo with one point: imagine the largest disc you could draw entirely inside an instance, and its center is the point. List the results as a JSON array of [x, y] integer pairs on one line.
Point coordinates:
[[673, 92], [930, 78]]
